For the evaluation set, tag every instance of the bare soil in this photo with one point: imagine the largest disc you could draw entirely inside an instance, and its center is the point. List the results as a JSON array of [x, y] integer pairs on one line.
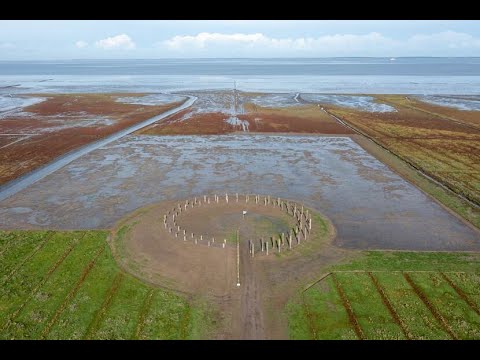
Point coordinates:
[[255, 309]]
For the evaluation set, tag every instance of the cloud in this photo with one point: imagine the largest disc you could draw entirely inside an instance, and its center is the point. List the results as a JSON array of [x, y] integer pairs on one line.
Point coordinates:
[[81, 44], [370, 44], [119, 42]]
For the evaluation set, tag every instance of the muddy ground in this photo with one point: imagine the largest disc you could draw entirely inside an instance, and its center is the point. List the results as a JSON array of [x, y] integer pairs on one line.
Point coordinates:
[[222, 112], [372, 207], [144, 247], [34, 135]]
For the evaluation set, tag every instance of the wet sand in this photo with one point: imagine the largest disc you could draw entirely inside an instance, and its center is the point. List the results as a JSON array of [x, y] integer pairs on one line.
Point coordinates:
[[371, 207]]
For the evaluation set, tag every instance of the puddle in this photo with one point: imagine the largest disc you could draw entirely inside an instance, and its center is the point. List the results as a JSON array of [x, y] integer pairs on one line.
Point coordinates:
[[371, 206], [364, 103], [459, 102]]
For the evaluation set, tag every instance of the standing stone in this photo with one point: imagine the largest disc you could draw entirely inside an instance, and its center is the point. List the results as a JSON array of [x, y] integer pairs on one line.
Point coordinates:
[[204, 198], [283, 238], [236, 195], [196, 241], [192, 235], [226, 198], [201, 237], [266, 243], [213, 240], [209, 243], [184, 238]]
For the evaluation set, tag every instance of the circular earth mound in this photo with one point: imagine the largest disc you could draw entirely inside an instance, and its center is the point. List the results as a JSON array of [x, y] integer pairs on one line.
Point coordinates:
[[195, 245]]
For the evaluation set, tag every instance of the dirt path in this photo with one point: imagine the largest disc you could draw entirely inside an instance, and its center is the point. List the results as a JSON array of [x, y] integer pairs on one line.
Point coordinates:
[[255, 309], [251, 313]]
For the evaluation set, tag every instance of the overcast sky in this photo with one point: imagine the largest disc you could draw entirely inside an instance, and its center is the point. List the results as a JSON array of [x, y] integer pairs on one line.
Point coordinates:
[[82, 39]]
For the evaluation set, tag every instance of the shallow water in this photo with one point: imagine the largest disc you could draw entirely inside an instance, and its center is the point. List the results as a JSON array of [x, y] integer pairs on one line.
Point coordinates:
[[460, 102], [370, 205], [11, 105], [363, 103], [151, 99]]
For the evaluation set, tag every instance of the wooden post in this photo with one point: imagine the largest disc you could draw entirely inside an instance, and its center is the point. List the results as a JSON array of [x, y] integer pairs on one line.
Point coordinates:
[[238, 259]]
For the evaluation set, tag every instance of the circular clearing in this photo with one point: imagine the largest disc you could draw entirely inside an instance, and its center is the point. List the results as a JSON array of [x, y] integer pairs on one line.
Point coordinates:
[[195, 245]]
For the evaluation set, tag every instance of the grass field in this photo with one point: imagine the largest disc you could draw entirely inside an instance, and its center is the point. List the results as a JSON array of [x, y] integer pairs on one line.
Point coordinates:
[[66, 285], [445, 148], [392, 295]]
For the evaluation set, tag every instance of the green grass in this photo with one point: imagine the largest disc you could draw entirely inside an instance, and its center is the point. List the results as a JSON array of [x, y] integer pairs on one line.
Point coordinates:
[[318, 313], [323, 317], [413, 261], [71, 288], [464, 322], [372, 315]]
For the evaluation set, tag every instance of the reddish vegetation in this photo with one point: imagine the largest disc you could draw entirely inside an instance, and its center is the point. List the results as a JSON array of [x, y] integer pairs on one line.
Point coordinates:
[[446, 150], [305, 119], [198, 124], [61, 124]]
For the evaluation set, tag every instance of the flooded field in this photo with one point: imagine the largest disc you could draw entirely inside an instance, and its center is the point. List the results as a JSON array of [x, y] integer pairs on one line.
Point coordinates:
[[370, 206], [362, 103], [35, 129], [460, 102]]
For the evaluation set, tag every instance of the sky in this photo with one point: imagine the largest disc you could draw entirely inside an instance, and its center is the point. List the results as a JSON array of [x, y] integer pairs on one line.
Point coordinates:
[[149, 39]]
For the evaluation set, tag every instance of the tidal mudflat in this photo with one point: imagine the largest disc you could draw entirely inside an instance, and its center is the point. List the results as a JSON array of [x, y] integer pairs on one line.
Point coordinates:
[[371, 207]]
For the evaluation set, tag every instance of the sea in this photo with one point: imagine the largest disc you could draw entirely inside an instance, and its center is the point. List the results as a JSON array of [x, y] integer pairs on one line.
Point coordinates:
[[403, 75]]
